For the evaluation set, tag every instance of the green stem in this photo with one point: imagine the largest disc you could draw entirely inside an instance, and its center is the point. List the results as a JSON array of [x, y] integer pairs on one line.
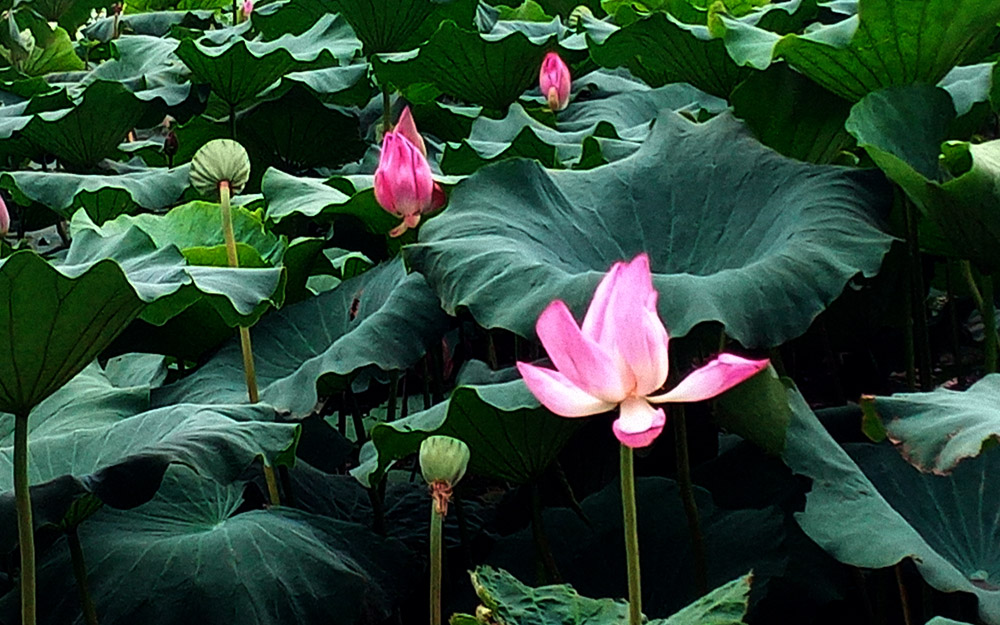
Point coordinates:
[[234, 12], [631, 536], [25, 527], [687, 498], [985, 304], [386, 111], [904, 600], [922, 342], [272, 485], [234, 261], [390, 410], [80, 573], [437, 532]]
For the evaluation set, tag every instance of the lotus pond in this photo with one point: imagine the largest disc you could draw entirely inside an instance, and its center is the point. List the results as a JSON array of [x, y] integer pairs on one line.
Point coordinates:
[[566, 312]]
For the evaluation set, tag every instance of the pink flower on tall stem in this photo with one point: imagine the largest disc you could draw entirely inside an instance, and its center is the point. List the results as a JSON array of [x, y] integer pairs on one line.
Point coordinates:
[[618, 357], [4, 218], [403, 182], [554, 80]]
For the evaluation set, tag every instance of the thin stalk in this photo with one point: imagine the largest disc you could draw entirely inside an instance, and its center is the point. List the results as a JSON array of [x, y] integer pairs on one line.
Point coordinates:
[[922, 341], [574, 503], [390, 410], [904, 600], [286, 484], [427, 382], [25, 527], [437, 533], [80, 573], [234, 12], [272, 485], [949, 280], [234, 261], [690, 505], [542, 546], [404, 404], [386, 111], [986, 309], [359, 424], [631, 537]]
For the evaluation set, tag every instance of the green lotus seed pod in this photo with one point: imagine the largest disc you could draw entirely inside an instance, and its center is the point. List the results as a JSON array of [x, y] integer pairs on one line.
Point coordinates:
[[443, 459], [217, 161]]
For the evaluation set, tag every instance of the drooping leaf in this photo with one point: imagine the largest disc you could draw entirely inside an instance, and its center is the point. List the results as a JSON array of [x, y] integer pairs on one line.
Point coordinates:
[[191, 555], [735, 233], [392, 25], [383, 318], [511, 437], [869, 507], [148, 67]]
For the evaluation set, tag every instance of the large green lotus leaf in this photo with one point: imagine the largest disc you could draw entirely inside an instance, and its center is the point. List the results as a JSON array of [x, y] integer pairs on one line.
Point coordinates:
[[510, 601], [156, 24], [891, 43], [588, 552], [102, 197], [83, 135], [616, 122], [969, 86], [468, 66], [296, 131], [954, 186], [198, 224], [510, 435], [383, 318], [58, 318], [736, 233], [792, 114], [937, 430], [869, 507], [53, 52], [192, 555], [345, 86], [118, 453], [69, 14], [238, 69], [660, 49], [289, 195], [148, 67], [237, 296]]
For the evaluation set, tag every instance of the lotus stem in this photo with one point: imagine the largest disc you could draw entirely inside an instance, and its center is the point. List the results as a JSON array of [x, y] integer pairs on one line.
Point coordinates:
[[541, 538], [987, 309], [234, 21], [25, 527], [631, 536], [234, 261], [272, 485], [437, 536], [904, 600], [386, 111], [390, 409], [80, 573], [690, 505], [922, 342]]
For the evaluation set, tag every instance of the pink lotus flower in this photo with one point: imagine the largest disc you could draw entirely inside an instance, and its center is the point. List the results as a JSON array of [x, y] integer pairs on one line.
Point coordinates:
[[247, 9], [554, 81], [619, 358], [403, 182], [4, 218]]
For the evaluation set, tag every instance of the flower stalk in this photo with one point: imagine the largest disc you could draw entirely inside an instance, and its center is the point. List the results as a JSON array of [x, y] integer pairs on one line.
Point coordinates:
[[234, 261], [631, 536], [80, 573], [25, 526], [437, 541], [686, 487]]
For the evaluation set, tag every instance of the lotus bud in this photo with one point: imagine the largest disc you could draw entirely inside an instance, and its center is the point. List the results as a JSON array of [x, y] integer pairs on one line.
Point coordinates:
[[247, 9], [170, 144], [218, 161], [116, 8], [403, 182], [4, 218], [555, 82], [443, 459]]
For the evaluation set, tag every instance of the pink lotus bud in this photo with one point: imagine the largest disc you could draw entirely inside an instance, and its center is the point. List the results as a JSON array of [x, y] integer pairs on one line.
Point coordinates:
[[408, 128], [403, 182], [247, 8], [4, 218], [555, 81]]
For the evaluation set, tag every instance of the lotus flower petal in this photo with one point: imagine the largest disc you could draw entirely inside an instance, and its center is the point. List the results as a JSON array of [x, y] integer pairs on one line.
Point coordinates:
[[717, 377], [558, 394], [639, 423]]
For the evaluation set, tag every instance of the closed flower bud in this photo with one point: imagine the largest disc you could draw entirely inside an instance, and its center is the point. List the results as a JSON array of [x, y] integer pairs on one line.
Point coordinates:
[[220, 160], [555, 82], [247, 8], [170, 143], [403, 182], [443, 459], [4, 218]]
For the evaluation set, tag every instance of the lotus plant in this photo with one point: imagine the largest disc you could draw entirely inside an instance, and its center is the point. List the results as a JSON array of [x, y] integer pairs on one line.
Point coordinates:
[[619, 358], [443, 461], [403, 182], [4, 219], [247, 9], [555, 81]]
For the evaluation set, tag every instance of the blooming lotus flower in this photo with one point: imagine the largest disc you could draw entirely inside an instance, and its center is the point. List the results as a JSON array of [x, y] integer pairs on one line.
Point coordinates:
[[554, 81], [618, 357], [4, 218], [403, 182]]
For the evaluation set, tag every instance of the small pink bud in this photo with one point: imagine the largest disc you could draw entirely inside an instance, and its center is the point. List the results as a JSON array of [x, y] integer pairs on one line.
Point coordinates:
[[555, 81], [4, 218], [403, 182], [247, 8]]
